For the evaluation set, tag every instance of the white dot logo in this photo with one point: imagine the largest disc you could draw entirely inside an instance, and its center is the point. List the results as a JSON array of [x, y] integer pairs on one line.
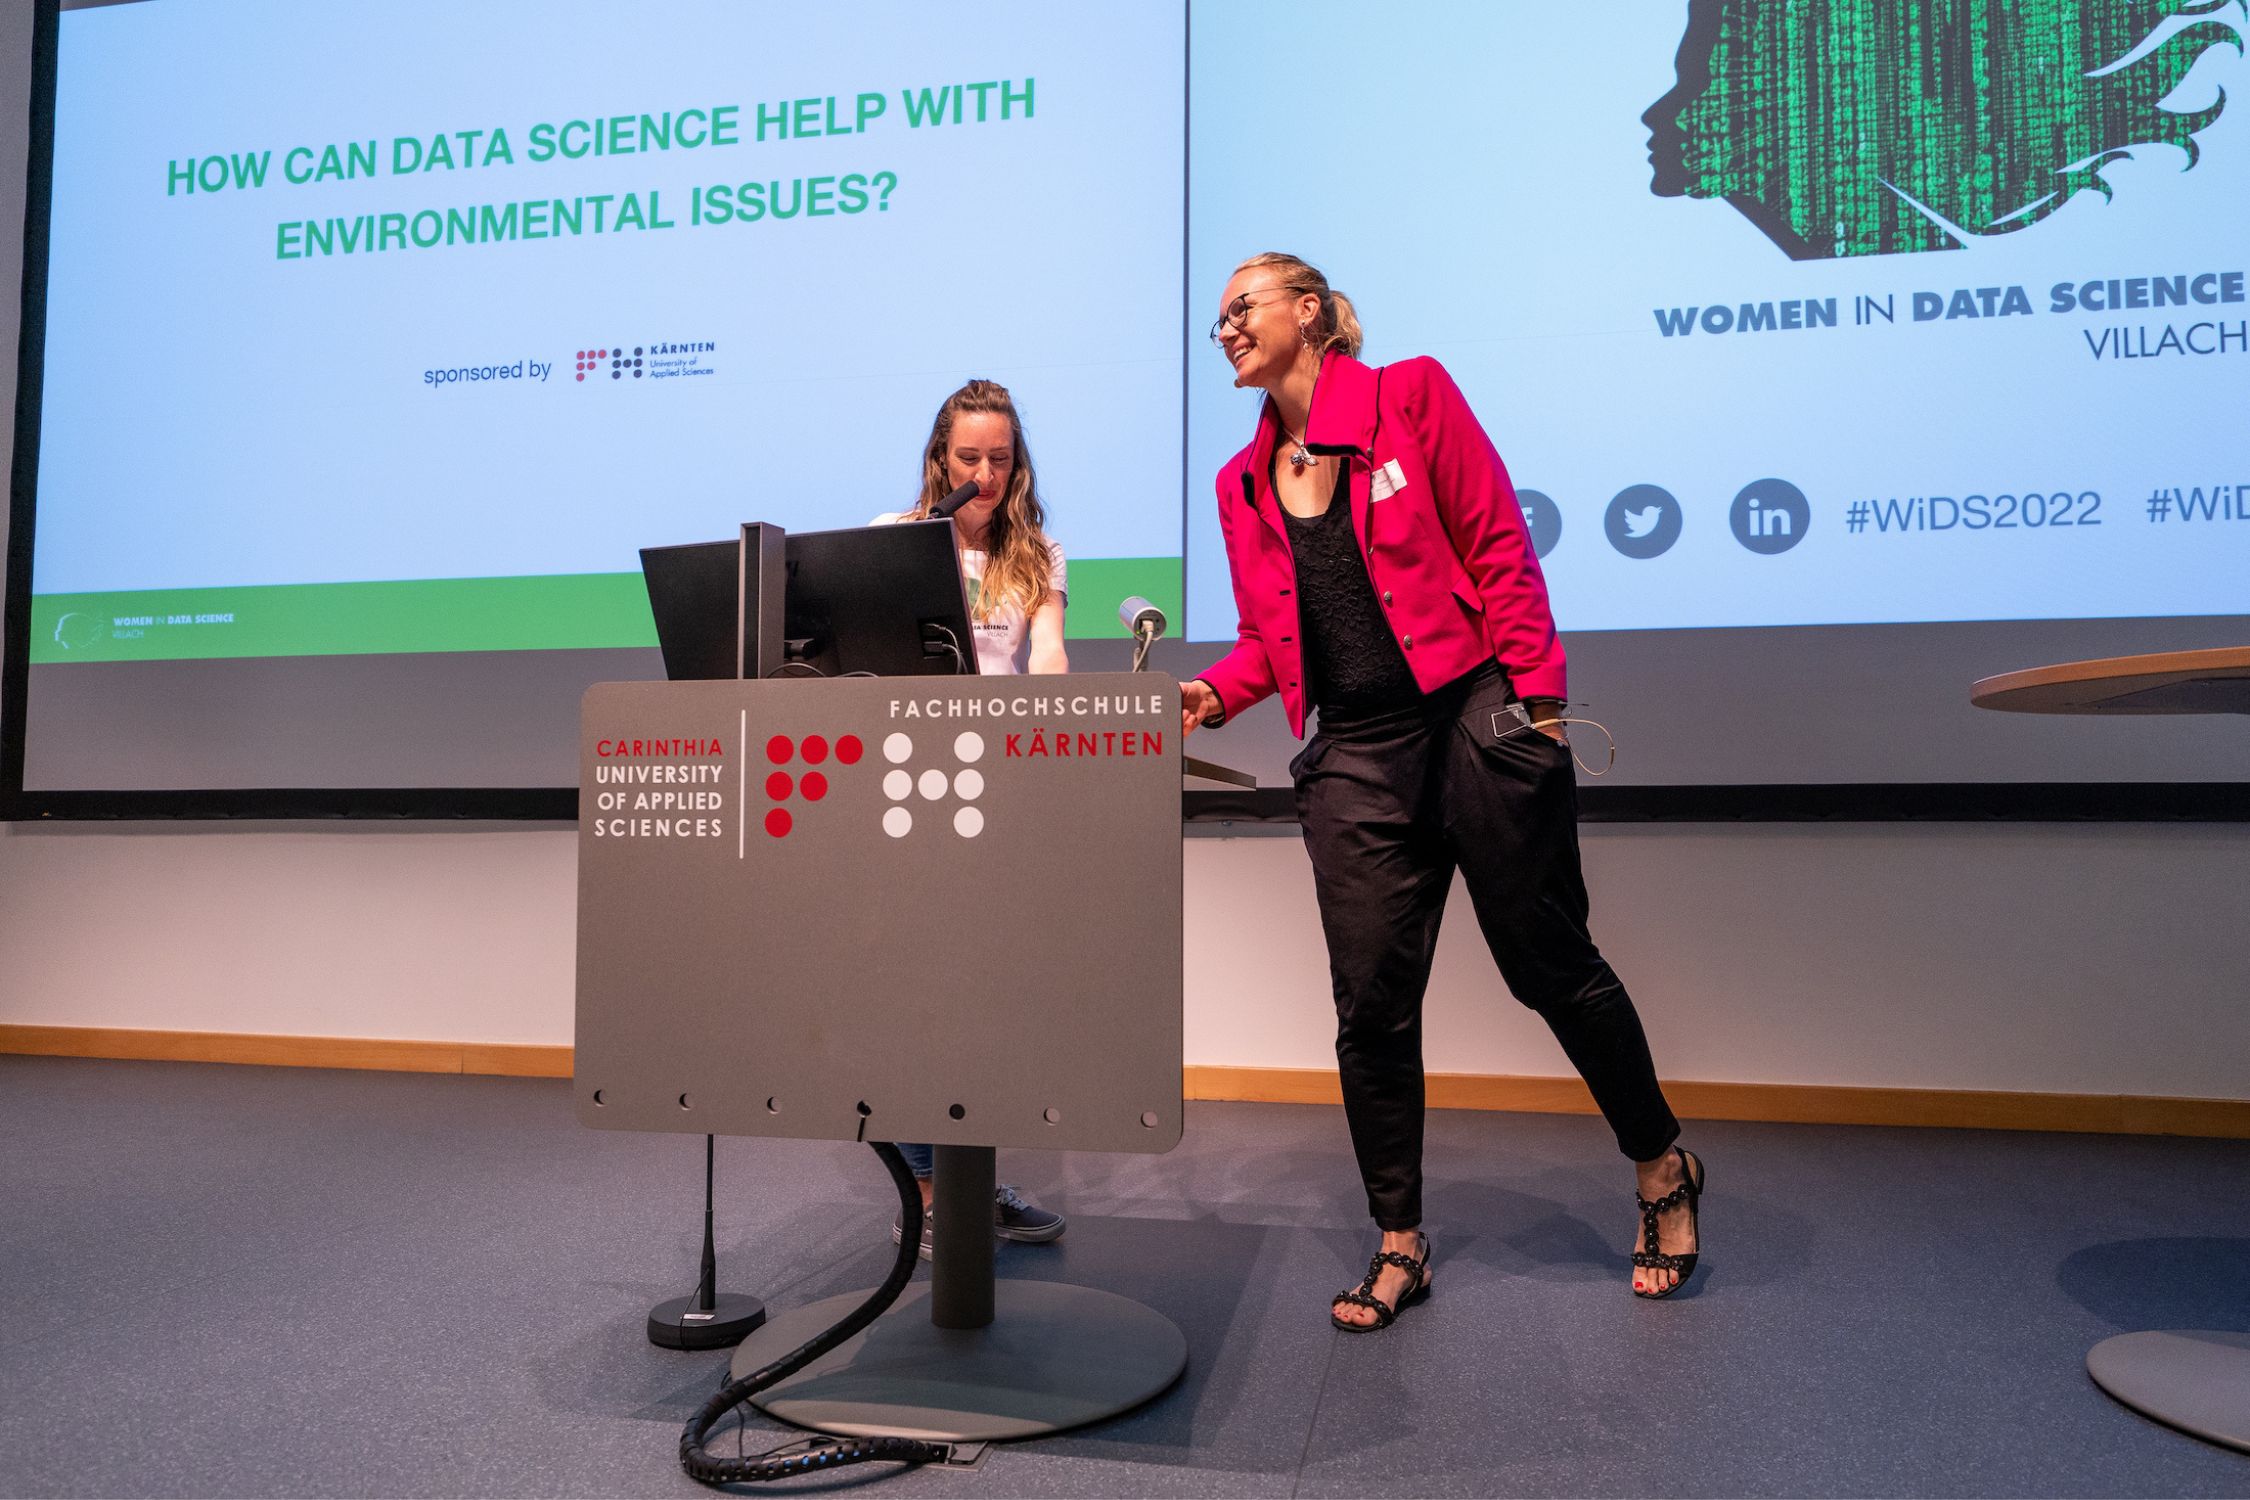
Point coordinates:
[[903, 785]]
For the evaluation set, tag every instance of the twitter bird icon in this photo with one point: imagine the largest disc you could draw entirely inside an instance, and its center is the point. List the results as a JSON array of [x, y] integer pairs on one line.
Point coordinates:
[[1643, 521]]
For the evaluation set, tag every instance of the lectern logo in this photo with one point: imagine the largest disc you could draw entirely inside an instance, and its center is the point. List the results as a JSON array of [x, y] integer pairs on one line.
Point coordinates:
[[963, 784], [810, 783]]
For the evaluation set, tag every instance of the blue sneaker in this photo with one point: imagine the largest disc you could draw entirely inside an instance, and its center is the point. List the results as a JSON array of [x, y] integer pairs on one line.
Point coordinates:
[[898, 1230], [1015, 1218]]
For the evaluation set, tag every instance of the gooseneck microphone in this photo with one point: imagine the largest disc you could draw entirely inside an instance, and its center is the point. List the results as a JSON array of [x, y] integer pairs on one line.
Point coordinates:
[[1146, 622], [953, 502], [1141, 617]]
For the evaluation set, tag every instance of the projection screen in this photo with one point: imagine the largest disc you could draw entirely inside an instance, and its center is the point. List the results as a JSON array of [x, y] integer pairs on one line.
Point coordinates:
[[1840, 356]]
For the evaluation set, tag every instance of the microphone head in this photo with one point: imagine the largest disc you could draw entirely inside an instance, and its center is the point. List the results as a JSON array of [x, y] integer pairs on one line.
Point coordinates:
[[1142, 617], [954, 501]]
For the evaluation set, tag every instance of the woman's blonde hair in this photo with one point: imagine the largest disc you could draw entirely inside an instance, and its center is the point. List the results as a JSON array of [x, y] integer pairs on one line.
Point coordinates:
[[1017, 565], [1336, 326]]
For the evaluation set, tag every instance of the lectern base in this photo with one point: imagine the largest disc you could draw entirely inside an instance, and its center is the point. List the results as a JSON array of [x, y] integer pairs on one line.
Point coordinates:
[[2197, 1382], [1054, 1357]]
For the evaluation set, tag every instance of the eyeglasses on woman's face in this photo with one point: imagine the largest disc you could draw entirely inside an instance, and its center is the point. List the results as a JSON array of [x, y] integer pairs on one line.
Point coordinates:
[[1238, 310]]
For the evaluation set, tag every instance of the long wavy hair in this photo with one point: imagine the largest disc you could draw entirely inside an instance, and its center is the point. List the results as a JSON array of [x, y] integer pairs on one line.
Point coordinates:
[[1017, 566]]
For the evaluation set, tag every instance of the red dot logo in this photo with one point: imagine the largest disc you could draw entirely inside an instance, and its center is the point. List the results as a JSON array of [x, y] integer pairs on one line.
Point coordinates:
[[813, 786]]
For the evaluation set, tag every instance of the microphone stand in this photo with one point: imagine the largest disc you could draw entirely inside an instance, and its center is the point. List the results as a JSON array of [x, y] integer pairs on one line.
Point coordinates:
[[1144, 638], [707, 1318]]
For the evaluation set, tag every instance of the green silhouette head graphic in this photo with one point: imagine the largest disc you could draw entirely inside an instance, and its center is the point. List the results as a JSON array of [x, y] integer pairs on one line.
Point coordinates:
[[75, 631], [1875, 127]]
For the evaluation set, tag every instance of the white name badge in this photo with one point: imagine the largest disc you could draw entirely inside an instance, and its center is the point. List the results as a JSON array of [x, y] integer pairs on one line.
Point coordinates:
[[1386, 481]]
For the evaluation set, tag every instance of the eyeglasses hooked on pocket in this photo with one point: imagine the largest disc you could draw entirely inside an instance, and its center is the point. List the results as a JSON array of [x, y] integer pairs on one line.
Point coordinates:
[[1514, 719], [1509, 719]]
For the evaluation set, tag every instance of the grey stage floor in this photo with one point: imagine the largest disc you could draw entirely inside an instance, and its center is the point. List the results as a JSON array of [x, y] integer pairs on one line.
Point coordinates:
[[242, 1281]]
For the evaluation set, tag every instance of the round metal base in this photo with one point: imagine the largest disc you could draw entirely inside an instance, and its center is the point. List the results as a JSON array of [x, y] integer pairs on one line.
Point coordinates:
[[1053, 1357], [680, 1324], [2197, 1382]]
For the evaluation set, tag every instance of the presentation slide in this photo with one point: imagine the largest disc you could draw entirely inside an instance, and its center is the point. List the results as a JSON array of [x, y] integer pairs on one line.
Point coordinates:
[[400, 327], [1780, 314]]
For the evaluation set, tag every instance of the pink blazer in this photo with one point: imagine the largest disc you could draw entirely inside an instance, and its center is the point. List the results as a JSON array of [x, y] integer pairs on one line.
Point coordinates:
[[1446, 544]]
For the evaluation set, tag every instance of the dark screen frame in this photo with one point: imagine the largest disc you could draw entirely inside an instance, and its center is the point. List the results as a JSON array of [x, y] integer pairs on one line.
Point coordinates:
[[2217, 802]]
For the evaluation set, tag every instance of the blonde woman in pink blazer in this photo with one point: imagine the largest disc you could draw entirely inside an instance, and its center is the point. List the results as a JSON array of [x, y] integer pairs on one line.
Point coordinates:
[[1384, 579]]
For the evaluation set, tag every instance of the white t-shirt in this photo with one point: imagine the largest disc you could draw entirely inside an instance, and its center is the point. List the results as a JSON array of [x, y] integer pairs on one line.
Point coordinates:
[[1004, 636]]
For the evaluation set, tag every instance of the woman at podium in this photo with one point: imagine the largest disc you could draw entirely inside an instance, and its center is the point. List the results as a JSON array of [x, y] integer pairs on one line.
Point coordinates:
[[1017, 589], [1014, 571], [1384, 578]]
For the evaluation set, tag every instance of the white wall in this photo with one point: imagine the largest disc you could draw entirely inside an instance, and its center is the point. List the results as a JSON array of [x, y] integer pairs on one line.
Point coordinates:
[[2082, 959], [2073, 959], [2096, 959]]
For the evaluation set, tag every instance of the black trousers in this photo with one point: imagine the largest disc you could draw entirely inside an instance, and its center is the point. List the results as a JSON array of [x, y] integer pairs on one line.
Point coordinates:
[[1391, 805]]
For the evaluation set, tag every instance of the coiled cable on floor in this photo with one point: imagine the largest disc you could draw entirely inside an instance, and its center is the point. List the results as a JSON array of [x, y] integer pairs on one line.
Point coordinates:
[[708, 1468]]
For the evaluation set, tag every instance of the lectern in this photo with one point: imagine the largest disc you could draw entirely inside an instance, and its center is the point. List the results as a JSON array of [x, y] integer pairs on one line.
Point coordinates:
[[941, 909]]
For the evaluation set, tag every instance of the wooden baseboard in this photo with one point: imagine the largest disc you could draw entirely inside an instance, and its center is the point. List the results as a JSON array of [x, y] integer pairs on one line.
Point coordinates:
[[379, 1054], [1805, 1104], [1792, 1103]]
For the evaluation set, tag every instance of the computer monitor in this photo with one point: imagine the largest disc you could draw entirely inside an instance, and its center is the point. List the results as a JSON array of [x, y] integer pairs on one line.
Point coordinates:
[[693, 591], [882, 601]]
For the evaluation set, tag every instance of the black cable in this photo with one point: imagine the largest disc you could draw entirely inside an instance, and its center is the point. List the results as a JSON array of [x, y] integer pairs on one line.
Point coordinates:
[[952, 643], [704, 1466]]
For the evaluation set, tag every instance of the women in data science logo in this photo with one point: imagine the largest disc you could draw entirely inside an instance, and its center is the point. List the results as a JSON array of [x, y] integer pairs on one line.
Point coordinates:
[[1879, 127]]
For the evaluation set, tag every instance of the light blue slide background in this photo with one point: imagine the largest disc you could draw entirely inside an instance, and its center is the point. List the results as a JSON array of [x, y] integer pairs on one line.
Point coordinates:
[[216, 416], [1477, 178]]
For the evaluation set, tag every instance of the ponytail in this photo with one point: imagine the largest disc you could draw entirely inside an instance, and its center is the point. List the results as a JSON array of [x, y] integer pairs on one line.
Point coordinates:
[[1336, 326]]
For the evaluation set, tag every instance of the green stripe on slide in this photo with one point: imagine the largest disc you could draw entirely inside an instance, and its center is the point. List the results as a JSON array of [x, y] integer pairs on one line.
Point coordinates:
[[564, 611]]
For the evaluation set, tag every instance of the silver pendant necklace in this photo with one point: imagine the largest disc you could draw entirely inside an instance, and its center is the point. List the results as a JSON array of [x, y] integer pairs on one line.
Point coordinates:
[[1302, 459]]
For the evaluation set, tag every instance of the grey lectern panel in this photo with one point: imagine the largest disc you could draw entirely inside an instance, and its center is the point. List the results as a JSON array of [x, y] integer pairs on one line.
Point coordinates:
[[883, 909]]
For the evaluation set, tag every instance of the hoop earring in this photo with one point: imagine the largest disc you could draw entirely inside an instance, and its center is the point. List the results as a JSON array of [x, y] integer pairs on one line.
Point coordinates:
[[1304, 331]]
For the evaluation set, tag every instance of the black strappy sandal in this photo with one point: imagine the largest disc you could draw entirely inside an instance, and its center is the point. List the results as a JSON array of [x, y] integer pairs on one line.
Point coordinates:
[[1690, 1192], [1363, 1295]]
